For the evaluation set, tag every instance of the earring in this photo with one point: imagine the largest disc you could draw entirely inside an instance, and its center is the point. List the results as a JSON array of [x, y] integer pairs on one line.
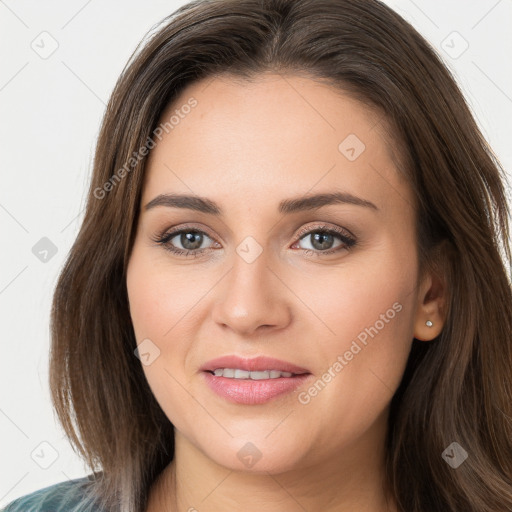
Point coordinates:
[[429, 323]]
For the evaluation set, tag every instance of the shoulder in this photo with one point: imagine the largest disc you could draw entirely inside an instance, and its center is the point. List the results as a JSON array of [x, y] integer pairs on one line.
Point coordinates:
[[68, 496]]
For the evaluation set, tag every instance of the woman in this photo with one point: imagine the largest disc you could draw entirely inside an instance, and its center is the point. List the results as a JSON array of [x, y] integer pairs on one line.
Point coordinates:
[[289, 290]]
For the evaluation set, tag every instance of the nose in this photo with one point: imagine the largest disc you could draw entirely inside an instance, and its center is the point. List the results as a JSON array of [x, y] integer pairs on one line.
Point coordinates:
[[252, 298]]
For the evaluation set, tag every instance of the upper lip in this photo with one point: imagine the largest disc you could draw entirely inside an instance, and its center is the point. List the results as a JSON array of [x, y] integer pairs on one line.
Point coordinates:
[[260, 363]]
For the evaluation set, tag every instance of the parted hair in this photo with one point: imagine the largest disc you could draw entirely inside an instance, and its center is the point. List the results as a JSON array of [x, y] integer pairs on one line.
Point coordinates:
[[457, 388]]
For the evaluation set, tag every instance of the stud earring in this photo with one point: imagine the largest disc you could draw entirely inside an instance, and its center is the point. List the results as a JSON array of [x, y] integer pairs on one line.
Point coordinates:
[[429, 323]]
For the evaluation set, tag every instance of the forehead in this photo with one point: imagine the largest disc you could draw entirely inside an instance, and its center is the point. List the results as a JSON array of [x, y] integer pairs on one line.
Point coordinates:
[[276, 135]]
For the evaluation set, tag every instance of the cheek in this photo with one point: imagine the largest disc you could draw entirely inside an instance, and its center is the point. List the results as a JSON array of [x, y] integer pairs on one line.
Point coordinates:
[[348, 301], [365, 317], [161, 297], [161, 302]]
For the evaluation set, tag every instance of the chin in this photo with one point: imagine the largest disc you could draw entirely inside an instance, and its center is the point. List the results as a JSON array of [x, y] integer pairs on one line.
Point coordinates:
[[258, 455]]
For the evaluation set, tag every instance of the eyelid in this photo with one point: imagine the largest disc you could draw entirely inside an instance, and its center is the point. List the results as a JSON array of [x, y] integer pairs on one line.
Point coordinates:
[[304, 230], [325, 227], [164, 237], [176, 230]]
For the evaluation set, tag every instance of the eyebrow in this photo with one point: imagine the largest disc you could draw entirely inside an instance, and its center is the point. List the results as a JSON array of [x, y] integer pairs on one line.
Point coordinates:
[[287, 206]]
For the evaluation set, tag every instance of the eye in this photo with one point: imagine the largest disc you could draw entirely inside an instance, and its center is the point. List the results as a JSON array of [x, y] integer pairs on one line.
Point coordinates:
[[322, 240], [189, 241]]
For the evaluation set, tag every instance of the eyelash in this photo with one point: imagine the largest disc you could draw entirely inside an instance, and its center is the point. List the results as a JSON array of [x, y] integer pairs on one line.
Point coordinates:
[[348, 241]]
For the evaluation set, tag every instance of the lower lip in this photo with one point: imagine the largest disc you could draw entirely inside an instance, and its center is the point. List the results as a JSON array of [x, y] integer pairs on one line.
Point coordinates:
[[253, 392]]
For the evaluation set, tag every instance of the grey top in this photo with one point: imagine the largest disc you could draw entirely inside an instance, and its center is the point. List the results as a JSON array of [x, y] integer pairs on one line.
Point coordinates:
[[68, 496]]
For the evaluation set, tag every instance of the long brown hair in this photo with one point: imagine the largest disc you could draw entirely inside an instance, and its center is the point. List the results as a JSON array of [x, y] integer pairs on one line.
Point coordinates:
[[457, 388]]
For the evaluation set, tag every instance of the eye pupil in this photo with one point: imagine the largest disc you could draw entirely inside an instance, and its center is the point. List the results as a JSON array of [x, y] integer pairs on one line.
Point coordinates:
[[319, 240], [191, 240]]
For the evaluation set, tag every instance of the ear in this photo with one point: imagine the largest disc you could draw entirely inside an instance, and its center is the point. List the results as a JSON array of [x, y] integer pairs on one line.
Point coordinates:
[[431, 307]]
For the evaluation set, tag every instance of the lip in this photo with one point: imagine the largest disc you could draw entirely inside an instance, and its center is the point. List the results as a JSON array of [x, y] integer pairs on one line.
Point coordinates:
[[253, 392], [255, 364]]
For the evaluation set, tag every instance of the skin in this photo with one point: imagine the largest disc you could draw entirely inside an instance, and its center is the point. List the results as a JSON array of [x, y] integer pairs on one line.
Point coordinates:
[[247, 146]]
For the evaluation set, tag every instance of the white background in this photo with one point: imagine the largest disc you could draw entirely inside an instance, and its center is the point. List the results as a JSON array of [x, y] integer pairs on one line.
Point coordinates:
[[50, 111]]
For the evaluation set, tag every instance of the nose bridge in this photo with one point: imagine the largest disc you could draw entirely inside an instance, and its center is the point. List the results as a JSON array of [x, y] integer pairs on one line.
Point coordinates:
[[250, 269], [252, 296]]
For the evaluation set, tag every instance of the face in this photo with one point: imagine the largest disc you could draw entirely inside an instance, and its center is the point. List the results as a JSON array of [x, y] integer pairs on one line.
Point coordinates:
[[325, 288]]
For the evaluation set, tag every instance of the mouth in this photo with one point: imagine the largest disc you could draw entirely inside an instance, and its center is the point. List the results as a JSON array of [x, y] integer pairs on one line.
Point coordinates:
[[253, 365], [237, 373], [252, 381]]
